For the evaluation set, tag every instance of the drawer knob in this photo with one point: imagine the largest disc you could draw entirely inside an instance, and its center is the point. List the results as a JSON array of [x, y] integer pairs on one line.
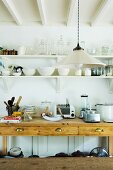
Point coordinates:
[[58, 130], [99, 130], [20, 129]]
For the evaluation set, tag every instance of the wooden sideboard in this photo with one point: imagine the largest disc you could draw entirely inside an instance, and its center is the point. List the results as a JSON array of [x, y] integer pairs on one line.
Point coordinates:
[[65, 127]]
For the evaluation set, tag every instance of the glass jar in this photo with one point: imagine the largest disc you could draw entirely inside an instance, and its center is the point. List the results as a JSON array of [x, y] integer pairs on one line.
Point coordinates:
[[104, 50], [109, 70], [46, 106]]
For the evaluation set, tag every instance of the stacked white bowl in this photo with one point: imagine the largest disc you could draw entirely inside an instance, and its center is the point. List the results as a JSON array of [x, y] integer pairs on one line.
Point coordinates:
[[46, 71], [29, 71], [63, 71]]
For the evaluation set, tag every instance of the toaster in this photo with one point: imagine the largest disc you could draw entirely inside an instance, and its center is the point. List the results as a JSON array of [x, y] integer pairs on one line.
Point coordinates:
[[66, 110]]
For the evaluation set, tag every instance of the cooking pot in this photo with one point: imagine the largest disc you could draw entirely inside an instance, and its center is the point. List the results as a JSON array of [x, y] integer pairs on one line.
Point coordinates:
[[105, 111]]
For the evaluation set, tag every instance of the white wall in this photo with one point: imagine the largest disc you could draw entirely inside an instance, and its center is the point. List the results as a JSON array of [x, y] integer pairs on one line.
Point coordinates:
[[34, 90]]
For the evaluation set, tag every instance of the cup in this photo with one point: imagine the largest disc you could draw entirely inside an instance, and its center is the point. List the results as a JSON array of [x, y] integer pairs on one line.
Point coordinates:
[[21, 50]]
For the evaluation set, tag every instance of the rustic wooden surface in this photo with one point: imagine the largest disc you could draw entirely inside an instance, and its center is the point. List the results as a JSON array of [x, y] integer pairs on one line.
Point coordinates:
[[69, 122], [56, 164], [65, 127]]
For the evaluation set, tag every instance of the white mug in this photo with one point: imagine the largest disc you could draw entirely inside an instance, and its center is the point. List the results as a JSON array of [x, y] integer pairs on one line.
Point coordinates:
[[21, 50]]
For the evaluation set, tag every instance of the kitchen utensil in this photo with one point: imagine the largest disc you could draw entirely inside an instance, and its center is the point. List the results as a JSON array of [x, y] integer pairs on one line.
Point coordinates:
[[12, 99], [18, 101], [10, 103], [6, 103], [99, 152]]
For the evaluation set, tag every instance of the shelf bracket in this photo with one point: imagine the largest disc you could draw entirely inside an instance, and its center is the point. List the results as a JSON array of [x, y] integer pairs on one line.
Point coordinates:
[[58, 85], [110, 85], [6, 84]]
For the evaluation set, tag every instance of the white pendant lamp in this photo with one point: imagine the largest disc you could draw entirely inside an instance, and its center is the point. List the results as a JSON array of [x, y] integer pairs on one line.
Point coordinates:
[[79, 58]]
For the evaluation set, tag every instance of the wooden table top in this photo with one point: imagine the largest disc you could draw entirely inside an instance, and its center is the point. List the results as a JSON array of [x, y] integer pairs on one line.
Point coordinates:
[[65, 122]]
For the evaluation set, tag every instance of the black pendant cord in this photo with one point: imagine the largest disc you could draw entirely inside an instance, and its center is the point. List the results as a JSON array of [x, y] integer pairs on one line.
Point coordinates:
[[78, 22], [78, 46]]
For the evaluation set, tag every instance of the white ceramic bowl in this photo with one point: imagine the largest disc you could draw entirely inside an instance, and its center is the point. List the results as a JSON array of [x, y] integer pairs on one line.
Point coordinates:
[[46, 71], [5, 72], [15, 151], [29, 71], [63, 71]]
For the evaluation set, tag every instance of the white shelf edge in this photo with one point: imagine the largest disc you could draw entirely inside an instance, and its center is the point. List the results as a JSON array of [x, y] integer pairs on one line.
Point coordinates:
[[103, 56], [50, 56], [31, 56], [98, 77]]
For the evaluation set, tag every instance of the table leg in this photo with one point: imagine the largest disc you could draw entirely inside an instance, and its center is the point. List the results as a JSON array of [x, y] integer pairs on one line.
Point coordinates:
[[4, 145], [110, 145]]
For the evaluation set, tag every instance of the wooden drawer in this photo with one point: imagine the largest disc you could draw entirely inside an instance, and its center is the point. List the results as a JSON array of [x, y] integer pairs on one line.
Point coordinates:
[[58, 131], [96, 131], [38, 131], [18, 131]]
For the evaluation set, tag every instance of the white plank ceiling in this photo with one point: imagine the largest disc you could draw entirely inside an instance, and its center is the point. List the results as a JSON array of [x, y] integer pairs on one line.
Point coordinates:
[[56, 12]]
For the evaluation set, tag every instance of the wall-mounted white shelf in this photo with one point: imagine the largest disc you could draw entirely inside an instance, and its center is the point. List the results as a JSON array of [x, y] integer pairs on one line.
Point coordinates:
[[49, 56], [82, 77], [57, 78]]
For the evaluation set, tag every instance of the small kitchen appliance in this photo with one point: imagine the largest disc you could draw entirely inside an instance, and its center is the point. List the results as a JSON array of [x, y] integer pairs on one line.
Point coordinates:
[[66, 110], [91, 116]]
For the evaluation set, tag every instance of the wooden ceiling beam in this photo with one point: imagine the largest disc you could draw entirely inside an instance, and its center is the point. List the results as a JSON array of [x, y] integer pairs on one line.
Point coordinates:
[[103, 5], [12, 10], [42, 11], [70, 11]]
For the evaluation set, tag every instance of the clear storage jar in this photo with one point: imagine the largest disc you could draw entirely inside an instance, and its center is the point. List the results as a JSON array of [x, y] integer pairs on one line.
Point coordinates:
[[109, 70]]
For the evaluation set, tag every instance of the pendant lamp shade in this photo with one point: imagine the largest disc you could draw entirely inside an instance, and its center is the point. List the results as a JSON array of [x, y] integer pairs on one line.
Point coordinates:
[[79, 58]]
